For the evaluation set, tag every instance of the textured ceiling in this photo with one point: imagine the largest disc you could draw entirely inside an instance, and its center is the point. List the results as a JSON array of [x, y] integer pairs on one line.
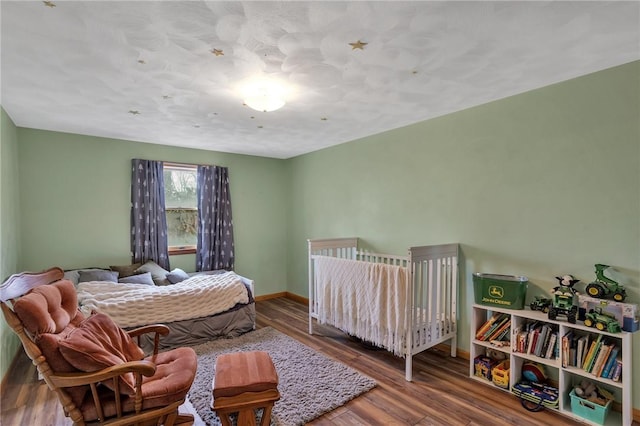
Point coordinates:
[[146, 70]]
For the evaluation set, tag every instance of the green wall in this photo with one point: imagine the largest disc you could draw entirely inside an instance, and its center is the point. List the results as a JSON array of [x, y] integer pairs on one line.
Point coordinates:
[[75, 204], [541, 184], [9, 226]]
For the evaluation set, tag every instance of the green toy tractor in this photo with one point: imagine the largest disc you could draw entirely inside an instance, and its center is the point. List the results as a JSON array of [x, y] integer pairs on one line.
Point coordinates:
[[604, 287], [603, 321], [564, 304]]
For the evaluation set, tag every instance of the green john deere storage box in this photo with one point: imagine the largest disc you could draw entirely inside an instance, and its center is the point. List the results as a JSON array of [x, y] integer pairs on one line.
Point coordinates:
[[504, 291]]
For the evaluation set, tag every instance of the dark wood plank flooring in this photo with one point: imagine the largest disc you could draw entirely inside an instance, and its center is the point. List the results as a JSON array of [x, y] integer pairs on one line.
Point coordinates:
[[441, 393]]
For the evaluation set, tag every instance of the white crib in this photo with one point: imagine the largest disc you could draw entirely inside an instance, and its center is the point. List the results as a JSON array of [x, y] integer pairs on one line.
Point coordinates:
[[430, 308]]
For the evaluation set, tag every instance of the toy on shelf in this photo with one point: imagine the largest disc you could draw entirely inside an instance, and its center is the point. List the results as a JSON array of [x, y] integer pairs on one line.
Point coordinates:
[[541, 304], [602, 320], [534, 391], [500, 374], [533, 372], [627, 314], [483, 366], [564, 299], [604, 287]]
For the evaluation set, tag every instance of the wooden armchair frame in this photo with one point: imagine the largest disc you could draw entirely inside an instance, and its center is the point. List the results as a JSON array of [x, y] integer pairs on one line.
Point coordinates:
[[18, 285]]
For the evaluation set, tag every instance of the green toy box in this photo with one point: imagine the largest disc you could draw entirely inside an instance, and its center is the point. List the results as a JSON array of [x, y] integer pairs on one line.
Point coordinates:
[[504, 291], [591, 411]]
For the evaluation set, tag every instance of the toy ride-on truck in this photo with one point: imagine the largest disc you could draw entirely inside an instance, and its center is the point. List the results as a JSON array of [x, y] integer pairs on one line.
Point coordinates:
[[564, 304], [540, 304], [601, 320], [604, 287]]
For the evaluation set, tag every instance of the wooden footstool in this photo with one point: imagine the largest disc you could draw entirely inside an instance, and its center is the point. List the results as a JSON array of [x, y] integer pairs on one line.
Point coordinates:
[[245, 381]]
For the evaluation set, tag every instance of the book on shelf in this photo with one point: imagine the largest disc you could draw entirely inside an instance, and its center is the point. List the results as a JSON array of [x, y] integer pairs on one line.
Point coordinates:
[[603, 354], [550, 341], [566, 343], [500, 330], [544, 332], [551, 346], [533, 338], [617, 374], [497, 320], [580, 349], [573, 350], [485, 327], [505, 334], [521, 340], [611, 362], [585, 349], [593, 349]]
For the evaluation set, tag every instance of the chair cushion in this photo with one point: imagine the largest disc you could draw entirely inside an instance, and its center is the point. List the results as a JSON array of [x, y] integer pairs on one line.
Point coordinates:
[[175, 371], [97, 343], [49, 313], [242, 372], [49, 344], [47, 308]]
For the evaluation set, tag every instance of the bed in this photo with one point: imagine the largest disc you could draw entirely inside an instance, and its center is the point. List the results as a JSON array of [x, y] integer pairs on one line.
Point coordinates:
[[404, 304], [198, 308]]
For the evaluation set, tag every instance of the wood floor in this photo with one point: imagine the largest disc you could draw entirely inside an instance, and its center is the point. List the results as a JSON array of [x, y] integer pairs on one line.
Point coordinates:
[[441, 393]]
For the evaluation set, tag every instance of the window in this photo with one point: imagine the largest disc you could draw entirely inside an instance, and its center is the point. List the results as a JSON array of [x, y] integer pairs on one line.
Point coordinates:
[[181, 207]]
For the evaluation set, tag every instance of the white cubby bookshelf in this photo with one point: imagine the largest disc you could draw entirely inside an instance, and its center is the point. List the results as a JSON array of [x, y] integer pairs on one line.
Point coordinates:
[[564, 376]]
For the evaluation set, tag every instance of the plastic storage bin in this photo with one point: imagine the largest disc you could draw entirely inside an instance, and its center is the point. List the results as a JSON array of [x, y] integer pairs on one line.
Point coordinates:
[[589, 410], [500, 374], [505, 291]]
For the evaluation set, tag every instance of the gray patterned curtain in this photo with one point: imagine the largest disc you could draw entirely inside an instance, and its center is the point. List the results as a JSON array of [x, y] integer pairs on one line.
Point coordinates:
[[215, 229], [148, 221]]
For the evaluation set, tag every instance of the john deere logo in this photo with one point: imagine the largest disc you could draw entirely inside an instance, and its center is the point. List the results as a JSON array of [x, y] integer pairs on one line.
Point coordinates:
[[496, 291]]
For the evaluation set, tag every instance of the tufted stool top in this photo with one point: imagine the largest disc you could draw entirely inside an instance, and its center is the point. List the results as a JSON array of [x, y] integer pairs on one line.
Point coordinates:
[[241, 372]]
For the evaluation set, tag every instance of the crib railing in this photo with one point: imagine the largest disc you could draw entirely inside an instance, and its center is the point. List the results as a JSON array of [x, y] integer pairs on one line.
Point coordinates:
[[432, 273]]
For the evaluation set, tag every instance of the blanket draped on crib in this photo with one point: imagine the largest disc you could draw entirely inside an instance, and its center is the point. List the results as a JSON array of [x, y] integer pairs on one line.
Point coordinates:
[[131, 305], [367, 300]]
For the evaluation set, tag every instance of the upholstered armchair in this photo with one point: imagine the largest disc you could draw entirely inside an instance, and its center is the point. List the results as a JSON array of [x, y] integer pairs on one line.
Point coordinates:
[[97, 370]]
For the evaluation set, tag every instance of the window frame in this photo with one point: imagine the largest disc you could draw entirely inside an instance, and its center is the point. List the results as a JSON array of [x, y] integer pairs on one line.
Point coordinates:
[[181, 249]]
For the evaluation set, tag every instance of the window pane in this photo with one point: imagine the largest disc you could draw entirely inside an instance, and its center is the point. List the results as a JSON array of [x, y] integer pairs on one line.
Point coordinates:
[[181, 205], [180, 188], [182, 225]]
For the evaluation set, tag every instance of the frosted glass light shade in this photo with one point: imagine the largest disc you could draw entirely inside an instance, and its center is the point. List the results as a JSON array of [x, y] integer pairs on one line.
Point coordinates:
[[264, 101], [264, 93]]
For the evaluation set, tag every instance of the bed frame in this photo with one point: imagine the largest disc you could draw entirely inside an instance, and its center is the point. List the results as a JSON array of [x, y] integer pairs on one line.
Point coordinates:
[[432, 272]]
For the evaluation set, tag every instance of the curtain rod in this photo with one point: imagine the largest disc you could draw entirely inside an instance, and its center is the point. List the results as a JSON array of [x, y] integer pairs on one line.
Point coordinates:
[[179, 163]]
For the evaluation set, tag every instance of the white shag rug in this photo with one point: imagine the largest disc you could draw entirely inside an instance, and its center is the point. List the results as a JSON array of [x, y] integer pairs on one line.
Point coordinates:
[[310, 384]]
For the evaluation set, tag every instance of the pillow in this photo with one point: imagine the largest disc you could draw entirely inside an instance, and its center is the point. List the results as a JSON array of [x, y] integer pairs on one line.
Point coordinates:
[[158, 273], [73, 275], [138, 279], [126, 270], [99, 275], [99, 343], [177, 275]]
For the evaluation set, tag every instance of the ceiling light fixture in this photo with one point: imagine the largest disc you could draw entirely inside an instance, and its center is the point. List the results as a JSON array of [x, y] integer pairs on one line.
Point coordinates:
[[264, 95], [263, 100]]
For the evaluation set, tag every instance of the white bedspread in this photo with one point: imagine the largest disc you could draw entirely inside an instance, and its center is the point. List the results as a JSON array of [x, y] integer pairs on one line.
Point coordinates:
[[131, 305], [364, 299]]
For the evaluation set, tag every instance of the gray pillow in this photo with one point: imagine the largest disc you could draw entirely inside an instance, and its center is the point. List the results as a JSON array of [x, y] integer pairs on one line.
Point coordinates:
[[73, 275], [97, 275], [138, 279], [177, 275], [126, 270], [158, 273]]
